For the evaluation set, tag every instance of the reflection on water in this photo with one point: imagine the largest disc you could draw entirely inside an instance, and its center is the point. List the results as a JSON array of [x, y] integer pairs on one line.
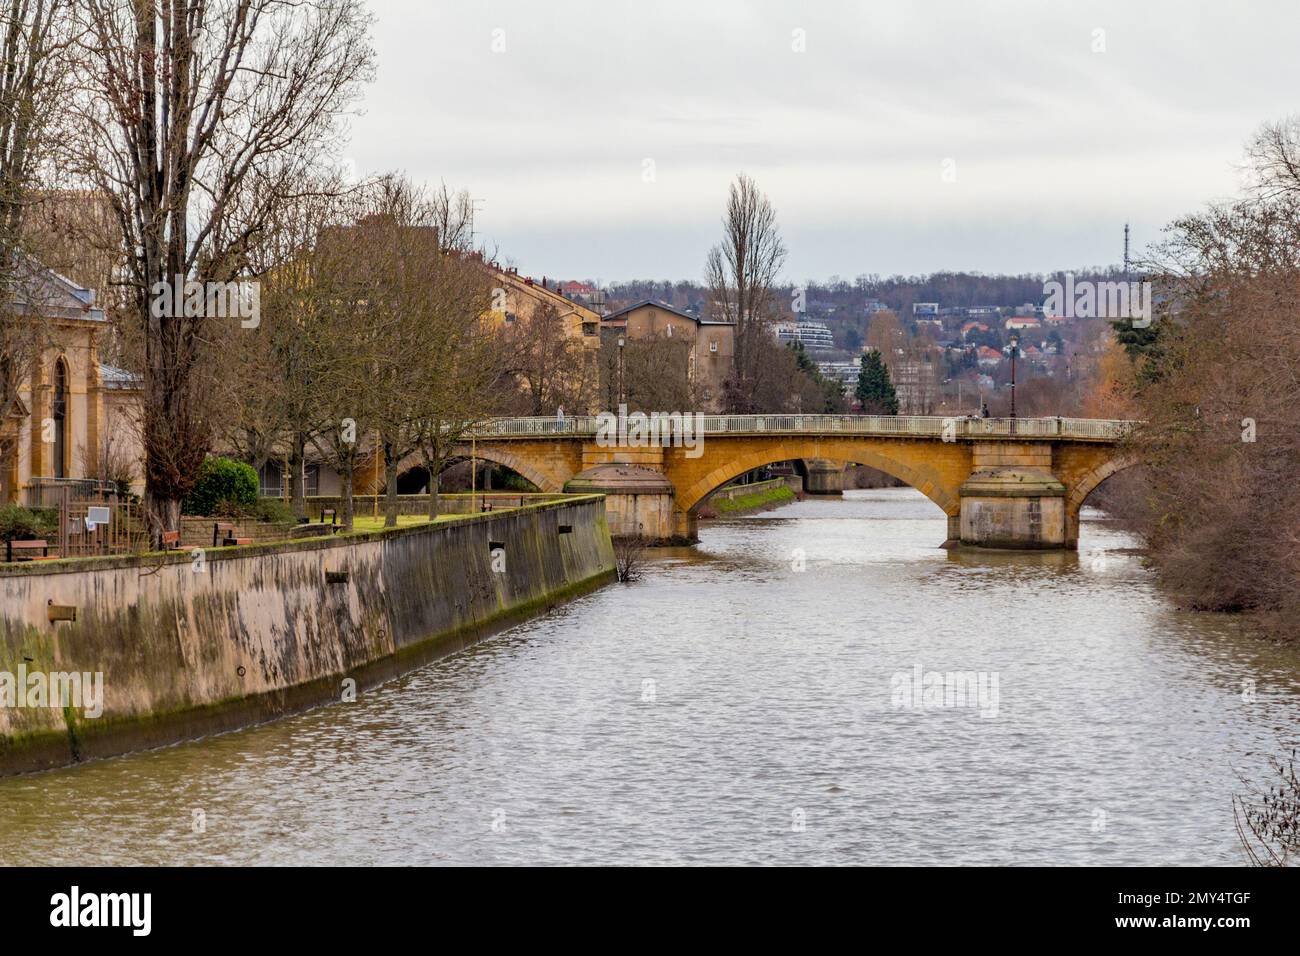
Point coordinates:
[[731, 708]]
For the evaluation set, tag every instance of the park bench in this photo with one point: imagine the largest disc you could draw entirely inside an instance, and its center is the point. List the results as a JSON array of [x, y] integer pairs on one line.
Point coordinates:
[[23, 550], [171, 540], [224, 532]]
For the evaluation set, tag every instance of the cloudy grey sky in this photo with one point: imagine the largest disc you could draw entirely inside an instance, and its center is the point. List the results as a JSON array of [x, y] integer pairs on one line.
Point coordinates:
[[1053, 145]]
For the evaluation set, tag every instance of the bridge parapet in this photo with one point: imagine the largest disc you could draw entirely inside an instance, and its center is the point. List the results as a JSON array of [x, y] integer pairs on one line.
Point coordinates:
[[920, 426]]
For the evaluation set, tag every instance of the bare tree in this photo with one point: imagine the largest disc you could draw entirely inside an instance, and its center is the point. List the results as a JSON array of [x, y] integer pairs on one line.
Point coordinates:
[[1268, 818], [656, 373], [630, 557], [552, 365], [32, 81], [199, 117], [463, 362], [741, 273], [453, 217], [1272, 167]]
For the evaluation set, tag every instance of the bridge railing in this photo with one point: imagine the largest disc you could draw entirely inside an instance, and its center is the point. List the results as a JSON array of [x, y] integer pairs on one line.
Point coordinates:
[[947, 428]]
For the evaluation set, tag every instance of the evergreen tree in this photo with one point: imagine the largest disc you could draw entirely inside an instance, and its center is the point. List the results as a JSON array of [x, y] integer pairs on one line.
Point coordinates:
[[875, 390]]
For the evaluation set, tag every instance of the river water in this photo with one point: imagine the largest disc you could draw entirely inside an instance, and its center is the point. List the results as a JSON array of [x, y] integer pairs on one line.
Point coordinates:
[[747, 701]]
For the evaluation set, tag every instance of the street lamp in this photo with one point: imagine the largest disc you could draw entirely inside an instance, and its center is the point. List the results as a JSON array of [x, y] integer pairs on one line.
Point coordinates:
[[621, 343], [1013, 344]]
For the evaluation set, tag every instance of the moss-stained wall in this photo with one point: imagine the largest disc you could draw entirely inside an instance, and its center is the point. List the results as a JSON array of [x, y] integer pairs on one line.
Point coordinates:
[[258, 632]]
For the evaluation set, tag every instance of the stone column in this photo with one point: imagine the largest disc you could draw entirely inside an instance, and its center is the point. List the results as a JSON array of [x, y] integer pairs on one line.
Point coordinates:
[[1012, 499], [823, 477]]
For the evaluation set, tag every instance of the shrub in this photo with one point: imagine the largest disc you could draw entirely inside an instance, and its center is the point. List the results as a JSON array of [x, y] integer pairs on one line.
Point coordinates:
[[222, 483], [273, 510], [18, 523]]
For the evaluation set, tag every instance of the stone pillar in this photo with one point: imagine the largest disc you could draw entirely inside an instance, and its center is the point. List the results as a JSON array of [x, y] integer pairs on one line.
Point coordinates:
[[686, 528], [94, 413], [1012, 499], [1010, 508], [42, 455], [639, 501], [822, 477]]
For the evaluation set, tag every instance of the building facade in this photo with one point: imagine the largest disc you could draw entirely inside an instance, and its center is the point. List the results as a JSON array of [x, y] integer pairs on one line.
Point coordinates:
[[74, 420], [712, 343]]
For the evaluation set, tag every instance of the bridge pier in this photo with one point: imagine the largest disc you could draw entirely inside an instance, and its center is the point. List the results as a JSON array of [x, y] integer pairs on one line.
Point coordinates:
[[639, 502], [1012, 499], [822, 477]]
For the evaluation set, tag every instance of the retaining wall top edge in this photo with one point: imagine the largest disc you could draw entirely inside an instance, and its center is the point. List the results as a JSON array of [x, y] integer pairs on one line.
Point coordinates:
[[158, 559]]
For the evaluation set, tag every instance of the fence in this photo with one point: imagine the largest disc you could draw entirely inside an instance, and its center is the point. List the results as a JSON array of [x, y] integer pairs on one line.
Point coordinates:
[[951, 428], [48, 492], [80, 534]]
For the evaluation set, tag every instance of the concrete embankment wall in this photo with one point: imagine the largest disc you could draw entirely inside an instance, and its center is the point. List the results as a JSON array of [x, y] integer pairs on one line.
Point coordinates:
[[454, 503], [259, 632]]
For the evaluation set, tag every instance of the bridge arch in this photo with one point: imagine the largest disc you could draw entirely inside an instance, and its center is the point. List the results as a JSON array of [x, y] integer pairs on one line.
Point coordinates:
[[496, 455], [1091, 479], [690, 498]]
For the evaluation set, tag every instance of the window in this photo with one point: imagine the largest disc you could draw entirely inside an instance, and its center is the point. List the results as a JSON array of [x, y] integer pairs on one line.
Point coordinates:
[[59, 412], [271, 480], [588, 328]]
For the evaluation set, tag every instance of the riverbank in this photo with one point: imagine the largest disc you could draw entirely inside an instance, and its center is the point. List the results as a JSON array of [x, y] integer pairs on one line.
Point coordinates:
[[735, 500], [186, 646]]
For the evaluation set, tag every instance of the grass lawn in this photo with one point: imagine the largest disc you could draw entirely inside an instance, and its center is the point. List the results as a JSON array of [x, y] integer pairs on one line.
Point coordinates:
[[368, 523], [769, 497]]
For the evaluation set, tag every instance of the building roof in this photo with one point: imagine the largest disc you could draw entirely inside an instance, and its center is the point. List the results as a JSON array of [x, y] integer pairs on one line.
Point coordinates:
[[44, 292], [528, 285], [622, 313]]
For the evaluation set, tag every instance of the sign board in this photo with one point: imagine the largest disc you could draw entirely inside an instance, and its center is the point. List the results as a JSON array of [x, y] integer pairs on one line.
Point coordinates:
[[97, 515]]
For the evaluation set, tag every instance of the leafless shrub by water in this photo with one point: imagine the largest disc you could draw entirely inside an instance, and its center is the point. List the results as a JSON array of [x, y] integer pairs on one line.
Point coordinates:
[[630, 557], [1268, 819]]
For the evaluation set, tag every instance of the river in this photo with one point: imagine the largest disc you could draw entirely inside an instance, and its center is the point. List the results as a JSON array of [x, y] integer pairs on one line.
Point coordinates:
[[746, 702]]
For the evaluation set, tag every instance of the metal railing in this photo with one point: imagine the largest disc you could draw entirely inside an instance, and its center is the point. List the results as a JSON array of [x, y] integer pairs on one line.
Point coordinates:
[[46, 492], [921, 426]]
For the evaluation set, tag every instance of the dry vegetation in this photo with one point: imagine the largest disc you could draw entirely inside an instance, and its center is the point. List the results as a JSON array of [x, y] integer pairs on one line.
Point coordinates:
[[1219, 386]]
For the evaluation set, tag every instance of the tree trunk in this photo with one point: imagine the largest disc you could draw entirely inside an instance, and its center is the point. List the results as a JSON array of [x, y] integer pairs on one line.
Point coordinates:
[[297, 491], [348, 485], [163, 514], [435, 482], [390, 492]]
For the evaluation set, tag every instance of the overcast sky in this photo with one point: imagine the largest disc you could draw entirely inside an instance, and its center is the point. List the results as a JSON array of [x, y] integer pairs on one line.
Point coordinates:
[[1053, 145]]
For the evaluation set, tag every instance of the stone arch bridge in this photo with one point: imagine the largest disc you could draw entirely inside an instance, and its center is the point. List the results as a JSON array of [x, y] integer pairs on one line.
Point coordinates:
[[1009, 483]]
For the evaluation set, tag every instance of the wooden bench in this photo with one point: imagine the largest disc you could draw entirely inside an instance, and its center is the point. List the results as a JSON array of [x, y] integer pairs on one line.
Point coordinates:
[[171, 540], [24, 549], [224, 531]]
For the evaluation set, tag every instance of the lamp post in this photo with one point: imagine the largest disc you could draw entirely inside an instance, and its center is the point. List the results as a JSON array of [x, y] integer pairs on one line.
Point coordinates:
[[621, 342], [1013, 344]]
